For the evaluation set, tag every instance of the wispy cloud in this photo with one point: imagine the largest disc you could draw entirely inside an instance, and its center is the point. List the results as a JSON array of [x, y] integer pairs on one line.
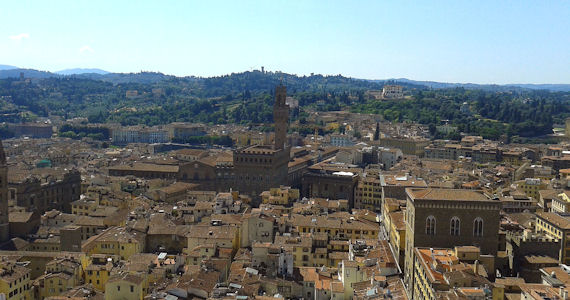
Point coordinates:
[[86, 49], [19, 37]]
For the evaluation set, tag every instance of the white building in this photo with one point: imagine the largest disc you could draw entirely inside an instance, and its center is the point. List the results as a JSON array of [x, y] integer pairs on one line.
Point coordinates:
[[389, 156], [393, 92], [349, 156], [341, 140], [139, 134]]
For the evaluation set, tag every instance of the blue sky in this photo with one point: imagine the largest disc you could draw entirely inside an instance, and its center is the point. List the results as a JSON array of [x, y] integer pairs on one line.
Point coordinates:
[[452, 41]]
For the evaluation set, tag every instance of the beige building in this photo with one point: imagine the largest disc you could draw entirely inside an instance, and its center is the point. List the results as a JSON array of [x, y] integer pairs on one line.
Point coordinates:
[[118, 241], [556, 226], [409, 146], [179, 131], [282, 195], [368, 193], [439, 274], [62, 274], [531, 186], [174, 192], [256, 227], [14, 281], [126, 286], [223, 236]]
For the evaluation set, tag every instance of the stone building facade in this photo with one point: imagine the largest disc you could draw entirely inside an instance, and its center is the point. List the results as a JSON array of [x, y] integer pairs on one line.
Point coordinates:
[[259, 168], [43, 194], [4, 221], [249, 170], [449, 218], [330, 185]]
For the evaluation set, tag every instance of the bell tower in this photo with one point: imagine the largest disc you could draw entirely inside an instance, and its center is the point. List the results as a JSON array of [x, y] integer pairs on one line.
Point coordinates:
[[280, 117], [4, 222]]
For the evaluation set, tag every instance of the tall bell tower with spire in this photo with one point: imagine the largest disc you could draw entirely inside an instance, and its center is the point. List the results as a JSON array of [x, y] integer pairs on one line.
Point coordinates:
[[259, 168], [4, 222], [280, 117]]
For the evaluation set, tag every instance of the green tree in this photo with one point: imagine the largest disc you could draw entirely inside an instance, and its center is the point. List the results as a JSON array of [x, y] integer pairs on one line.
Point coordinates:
[[377, 132]]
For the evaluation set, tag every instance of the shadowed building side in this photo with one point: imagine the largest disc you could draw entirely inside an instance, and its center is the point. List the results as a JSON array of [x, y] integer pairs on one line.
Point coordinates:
[[4, 222]]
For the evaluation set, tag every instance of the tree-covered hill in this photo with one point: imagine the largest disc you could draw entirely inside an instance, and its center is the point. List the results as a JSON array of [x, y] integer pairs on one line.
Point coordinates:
[[247, 98], [524, 113]]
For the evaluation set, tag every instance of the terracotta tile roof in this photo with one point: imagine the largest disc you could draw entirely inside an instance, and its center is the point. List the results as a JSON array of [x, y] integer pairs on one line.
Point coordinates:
[[548, 194], [146, 167], [20, 216], [540, 291], [212, 232], [510, 281], [132, 278], [114, 234], [89, 221], [444, 258], [402, 180], [540, 259], [333, 223], [446, 194], [397, 218], [16, 273], [195, 152], [178, 187], [554, 219]]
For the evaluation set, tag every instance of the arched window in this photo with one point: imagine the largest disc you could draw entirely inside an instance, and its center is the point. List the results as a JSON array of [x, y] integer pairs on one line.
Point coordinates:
[[455, 226], [430, 225], [478, 227]]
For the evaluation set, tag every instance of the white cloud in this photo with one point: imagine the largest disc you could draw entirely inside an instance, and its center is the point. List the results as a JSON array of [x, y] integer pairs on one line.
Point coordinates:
[[19, 37], [86, 49]]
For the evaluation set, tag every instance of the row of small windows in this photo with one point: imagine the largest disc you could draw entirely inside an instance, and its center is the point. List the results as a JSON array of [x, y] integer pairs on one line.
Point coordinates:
[[339, 231], [261, 160], [455, 226], [550, 228], [207, 177]]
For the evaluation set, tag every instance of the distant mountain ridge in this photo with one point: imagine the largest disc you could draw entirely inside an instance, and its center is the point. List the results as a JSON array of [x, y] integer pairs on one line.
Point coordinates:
[[7, 67], [7, 71], [115, 78], [505, 87], [28, 73], [75, 71]]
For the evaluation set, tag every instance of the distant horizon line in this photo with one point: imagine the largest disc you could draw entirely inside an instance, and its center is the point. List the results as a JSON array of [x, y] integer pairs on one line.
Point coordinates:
[[271, 71]]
